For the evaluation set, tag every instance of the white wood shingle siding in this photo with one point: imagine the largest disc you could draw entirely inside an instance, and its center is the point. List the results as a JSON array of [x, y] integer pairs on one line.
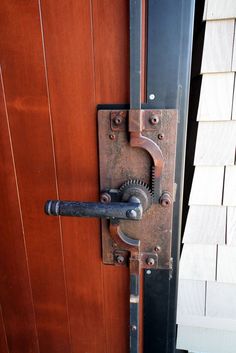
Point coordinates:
[[207, 289]]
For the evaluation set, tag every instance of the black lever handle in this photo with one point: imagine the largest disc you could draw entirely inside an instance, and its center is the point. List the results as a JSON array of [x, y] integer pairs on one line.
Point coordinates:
[[120, 210]]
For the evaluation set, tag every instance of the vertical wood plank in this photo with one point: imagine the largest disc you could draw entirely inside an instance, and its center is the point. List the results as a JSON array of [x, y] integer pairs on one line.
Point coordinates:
[[111, 27], [27, 104], [218, 46], [67, 29], [112, 86], [15, 291], [3, 338], [216, 94]]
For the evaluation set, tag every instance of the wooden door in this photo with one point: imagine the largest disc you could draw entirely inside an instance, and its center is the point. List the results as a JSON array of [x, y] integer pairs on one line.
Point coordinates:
[[59, 59]]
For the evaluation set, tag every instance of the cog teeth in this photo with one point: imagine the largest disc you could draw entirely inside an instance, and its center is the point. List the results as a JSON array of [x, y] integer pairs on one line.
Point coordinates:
[[136, 182], [153, 179]]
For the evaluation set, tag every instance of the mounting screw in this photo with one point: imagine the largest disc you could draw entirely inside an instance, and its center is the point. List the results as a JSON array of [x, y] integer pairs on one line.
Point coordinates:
[[133, 328], [165, 199], [105, 197], [152, 96], [154, 119], [157, 248], [161, 136], [112, 137], [117, 120], [120, 259], [150, 261], [131, 214], [148, 272]]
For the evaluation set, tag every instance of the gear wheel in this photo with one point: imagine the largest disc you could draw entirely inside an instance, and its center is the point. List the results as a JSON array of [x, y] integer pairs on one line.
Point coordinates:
[[139, 189]]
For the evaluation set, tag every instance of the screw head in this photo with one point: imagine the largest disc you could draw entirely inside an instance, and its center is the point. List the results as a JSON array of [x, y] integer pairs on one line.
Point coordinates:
[[112, 137], [120, 259], [133, 328], [154, 119], [105, 197], [148, 272], [131, 214], [165, 199], [150, 261], [152, 96], [117, 120], [157, 248], [161, 136]]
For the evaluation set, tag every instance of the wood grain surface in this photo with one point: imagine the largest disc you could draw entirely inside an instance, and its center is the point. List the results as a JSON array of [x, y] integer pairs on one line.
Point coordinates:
[[59, 60]]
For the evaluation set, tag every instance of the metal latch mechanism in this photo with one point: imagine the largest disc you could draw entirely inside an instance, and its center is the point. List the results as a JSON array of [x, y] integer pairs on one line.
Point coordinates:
[[136, 162]]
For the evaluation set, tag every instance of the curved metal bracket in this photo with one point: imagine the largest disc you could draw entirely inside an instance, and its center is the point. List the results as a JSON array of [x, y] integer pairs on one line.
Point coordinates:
[[138, 140], [121, 239], [126, 243]]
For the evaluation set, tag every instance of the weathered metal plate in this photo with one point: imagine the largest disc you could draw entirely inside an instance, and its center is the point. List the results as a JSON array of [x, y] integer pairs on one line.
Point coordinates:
[[120, 162]]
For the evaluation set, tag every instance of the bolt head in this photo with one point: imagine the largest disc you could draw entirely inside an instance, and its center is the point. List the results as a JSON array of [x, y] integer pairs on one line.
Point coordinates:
[[150, 261], [132, 214], [161, 136], [152, 96], [157, 248], [112, 137], [165, 199], [117, 120], [105, 197], [154, 119], [120, 259]]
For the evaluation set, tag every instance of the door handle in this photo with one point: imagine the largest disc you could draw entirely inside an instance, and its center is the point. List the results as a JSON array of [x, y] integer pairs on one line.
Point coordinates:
[[120, 210], [127, 203]]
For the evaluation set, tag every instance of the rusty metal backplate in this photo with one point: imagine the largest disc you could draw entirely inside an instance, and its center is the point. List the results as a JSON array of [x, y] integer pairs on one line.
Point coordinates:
[[119, 162]]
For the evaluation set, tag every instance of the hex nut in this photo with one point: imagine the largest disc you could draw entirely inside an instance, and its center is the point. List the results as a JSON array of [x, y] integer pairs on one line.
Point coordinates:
[[105, 197], [165, 199], [150, 261], [120, 259]]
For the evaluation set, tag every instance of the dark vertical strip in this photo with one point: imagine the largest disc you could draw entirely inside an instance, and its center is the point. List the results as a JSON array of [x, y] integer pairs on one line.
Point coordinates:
[[134, 313], [156, 288], [135, 53], [170, 27]]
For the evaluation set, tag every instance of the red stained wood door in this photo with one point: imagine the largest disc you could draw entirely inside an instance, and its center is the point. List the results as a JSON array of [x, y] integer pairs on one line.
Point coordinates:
[[59, 59]]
